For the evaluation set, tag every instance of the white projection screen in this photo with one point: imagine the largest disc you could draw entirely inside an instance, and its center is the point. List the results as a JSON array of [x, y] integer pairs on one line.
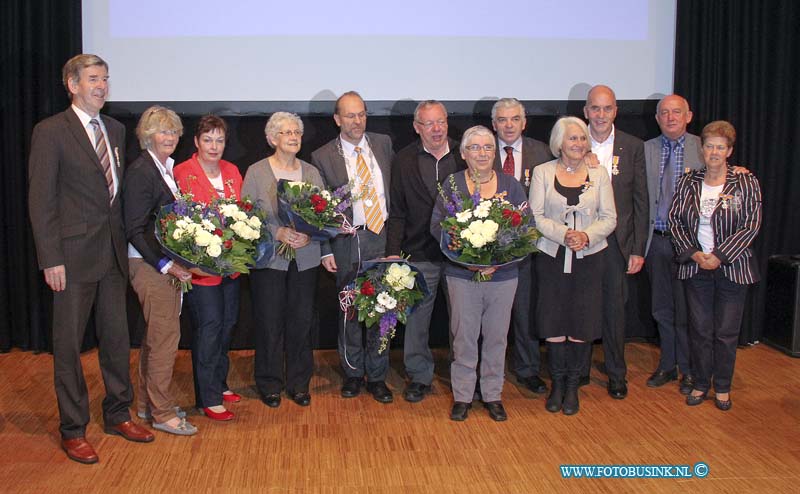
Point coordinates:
[[296, 51]]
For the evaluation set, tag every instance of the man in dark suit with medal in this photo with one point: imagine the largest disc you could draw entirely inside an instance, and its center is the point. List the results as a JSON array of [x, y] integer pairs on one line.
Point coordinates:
[[362, 158], [75, 175], [622, 155], [518, 155]]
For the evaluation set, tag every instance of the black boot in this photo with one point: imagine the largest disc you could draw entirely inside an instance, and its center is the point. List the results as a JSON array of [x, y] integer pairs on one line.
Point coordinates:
[[576, 357], [557, 359]]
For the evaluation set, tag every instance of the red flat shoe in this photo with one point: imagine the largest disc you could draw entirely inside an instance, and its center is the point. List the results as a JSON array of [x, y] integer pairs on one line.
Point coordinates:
[[226, 415], [231, 398]]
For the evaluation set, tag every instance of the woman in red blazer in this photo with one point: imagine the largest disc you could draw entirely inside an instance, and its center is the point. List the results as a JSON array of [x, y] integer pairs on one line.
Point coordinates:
[[213, 301]]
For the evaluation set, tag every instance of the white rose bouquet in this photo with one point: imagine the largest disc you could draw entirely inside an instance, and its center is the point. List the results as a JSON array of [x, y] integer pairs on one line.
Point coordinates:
[[222, 238], [481, 232]]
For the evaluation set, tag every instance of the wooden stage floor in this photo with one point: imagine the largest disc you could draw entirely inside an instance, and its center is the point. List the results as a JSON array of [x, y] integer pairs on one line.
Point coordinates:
[[360, 446]]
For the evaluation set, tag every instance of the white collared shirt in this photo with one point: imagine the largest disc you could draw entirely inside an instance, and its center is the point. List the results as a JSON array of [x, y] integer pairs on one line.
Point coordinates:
[[501, 152], [604, 151], [85, 118], [350, 158]]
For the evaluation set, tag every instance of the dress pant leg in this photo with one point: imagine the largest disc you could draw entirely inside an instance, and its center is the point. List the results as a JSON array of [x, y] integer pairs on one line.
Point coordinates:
[[230, 297], [350, 341], [161, 304], [466, 303], [527, 360], [661, 271], [615, 296], [71, 309], [270, 289], [497, 299], [113, 342], [301, 293], [700, 297], [206, 306], [729, 300], [417, 356]]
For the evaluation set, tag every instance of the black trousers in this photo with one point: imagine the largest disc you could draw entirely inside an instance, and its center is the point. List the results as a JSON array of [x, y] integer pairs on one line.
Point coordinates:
[[71, 310], [615, 297], [527, 359], [283, 308], [715, 305]]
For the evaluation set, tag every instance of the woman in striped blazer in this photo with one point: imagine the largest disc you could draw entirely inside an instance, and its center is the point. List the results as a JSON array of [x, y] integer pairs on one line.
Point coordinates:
[[715, 216]]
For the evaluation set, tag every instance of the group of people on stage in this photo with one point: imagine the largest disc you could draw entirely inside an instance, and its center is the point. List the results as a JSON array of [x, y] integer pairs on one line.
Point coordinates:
[[606, 204]]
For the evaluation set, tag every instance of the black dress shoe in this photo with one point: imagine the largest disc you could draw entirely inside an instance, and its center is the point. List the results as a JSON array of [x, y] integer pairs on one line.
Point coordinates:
[[723, 405], [273, 400], [460, 411], [617, 389], [662, 377], [380, 392], [687, 384], [534, 383], [352, 387], [583, 381], [416, 392], [302, 398], [496, 410], [693, 400]]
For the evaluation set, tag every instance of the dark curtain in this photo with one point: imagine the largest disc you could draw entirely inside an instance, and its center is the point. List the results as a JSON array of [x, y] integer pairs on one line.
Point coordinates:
[[38, 37], [738, 61]]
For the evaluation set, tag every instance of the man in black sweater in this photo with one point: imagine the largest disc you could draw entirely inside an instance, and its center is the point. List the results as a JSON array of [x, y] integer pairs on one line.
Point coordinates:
[[416, 171]]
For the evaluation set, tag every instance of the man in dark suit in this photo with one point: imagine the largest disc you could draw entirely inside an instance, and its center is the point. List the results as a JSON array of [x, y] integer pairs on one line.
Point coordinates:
[[517, 155], [74, 202], [668, 156], [622, 155], [338, 162]]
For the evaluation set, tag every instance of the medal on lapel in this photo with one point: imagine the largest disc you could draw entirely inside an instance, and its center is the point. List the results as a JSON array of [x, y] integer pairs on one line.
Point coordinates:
[[615, 165], [527, 180]]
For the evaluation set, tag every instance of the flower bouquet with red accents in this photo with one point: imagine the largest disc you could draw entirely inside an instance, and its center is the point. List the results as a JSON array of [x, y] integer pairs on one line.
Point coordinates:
[[219, 239], [315, 212], [480, 233], [385, 293]]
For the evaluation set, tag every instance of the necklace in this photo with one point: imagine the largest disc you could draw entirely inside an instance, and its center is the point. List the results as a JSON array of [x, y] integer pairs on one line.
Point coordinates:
[[567, 168], [476, 176]]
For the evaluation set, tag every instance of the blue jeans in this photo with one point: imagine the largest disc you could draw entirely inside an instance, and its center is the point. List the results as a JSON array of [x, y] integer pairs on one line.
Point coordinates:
[[214, 311]]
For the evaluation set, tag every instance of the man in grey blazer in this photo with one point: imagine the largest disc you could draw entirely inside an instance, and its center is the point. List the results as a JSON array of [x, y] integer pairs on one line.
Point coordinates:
[[517, 155], [338, 163], [668, 156], [74, 181], [622, 155]]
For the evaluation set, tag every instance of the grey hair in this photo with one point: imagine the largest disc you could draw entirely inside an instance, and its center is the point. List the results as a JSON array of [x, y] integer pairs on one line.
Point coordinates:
[[478, 130], [276, 121], [425, 104], [508, 103], [560, 128]]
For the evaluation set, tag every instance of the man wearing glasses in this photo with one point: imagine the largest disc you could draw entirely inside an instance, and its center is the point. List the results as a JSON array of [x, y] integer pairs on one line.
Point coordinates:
[[417, 170], [517, 156], [363, 159]]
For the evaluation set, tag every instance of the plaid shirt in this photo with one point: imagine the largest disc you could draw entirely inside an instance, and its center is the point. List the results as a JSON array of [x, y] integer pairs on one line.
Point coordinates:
[[666, 147]]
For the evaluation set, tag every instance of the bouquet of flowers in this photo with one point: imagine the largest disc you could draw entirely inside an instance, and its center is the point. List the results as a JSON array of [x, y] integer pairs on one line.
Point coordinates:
[[316, 212], [485, 232], [221, 238], [385, 292]]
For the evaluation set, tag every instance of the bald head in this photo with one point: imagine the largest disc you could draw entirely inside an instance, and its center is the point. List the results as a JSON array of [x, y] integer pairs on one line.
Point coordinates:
[[673, 116], [600, 110]]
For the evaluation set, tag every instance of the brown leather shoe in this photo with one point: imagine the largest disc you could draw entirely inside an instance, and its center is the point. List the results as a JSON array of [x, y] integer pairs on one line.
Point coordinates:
[[78, 449], [131, 432]]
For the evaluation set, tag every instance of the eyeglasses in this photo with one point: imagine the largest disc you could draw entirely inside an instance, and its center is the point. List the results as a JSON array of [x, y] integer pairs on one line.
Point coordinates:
[[429, 125], [477, 147], [170, 132], [290, 133]]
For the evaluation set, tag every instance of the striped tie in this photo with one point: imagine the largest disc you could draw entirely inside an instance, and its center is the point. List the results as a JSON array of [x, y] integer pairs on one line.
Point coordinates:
[[369, 198], [102, 153]]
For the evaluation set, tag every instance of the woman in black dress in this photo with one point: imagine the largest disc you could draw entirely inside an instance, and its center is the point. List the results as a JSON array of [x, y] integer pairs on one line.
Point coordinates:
[[574, 210]]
